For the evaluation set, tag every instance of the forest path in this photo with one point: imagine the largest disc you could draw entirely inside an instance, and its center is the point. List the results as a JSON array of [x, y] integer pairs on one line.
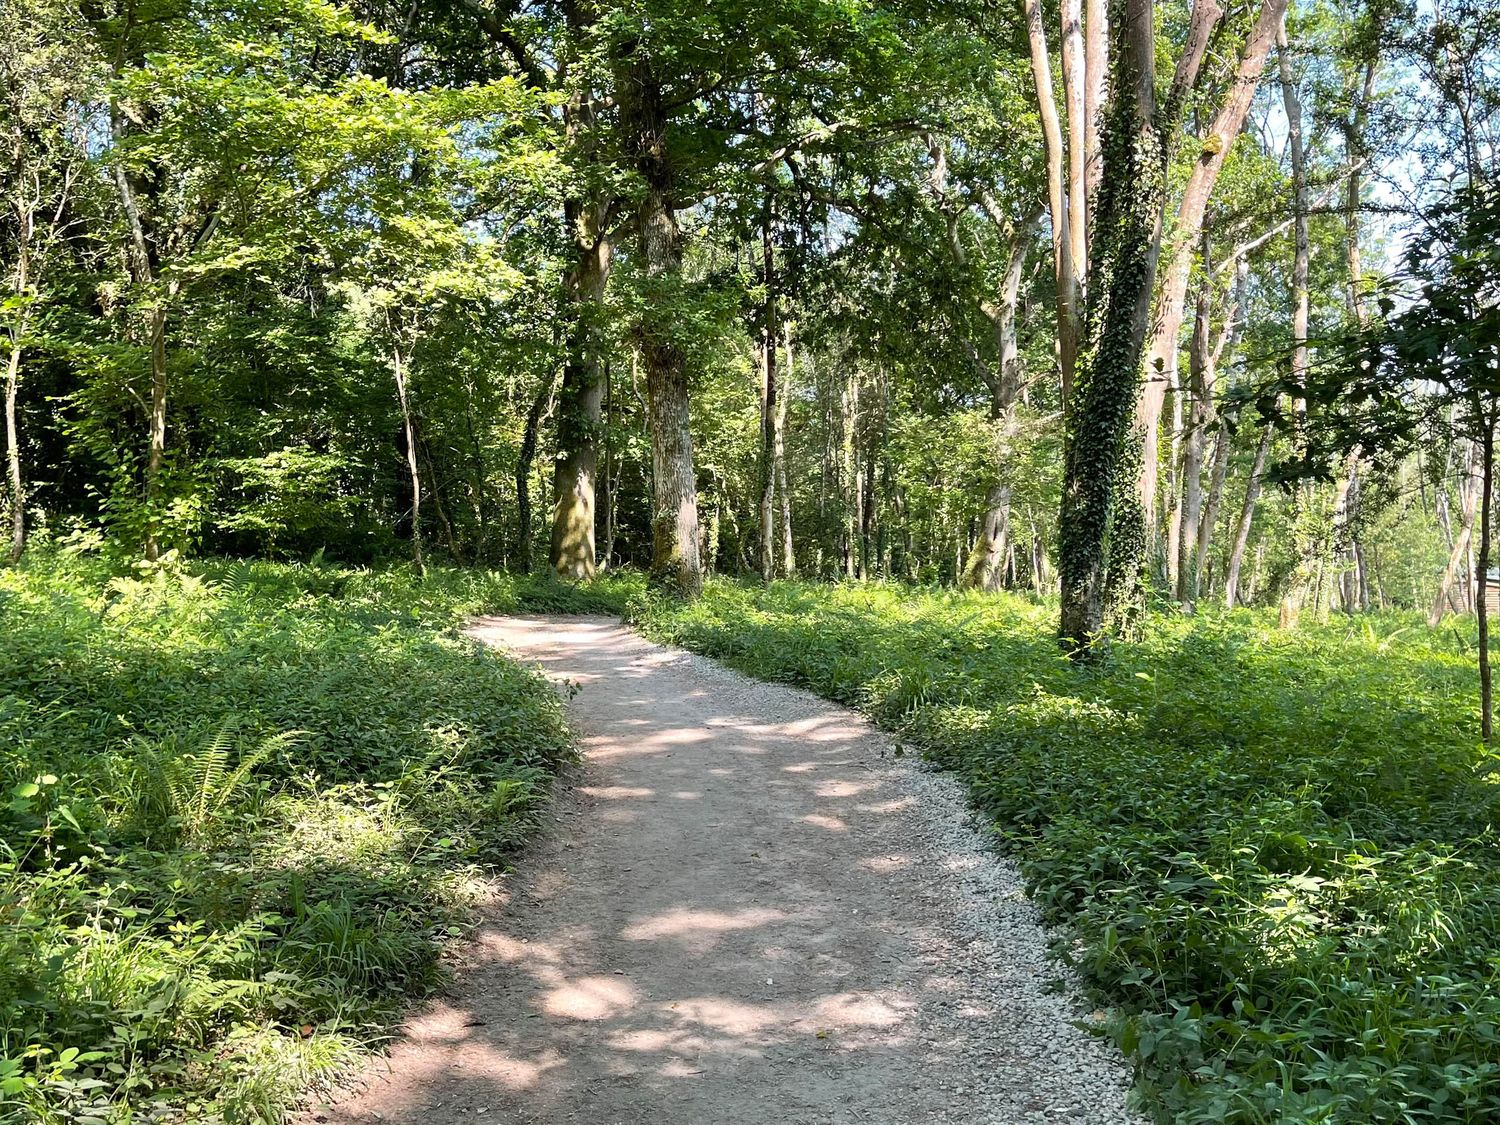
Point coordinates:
[[749, 910]]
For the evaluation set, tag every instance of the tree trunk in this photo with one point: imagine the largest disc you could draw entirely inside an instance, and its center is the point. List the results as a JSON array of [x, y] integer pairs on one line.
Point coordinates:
[[1128, 233], [1066, 274], [675, 563], [982, 571], [1161, 358], [1469, 499], [572, 552], [1247, 517], [524, 460], [1308, 540], [398, 368], [12, 389], [766, 466], [788, 553], [1481, 575], [1200, 415]]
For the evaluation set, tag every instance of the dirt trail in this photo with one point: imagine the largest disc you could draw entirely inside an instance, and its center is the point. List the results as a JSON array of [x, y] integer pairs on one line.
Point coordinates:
[[744, 914]]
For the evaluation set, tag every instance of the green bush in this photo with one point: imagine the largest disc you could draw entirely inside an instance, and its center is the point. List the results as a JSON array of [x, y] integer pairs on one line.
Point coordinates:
[[1274, 855], [243, 807]]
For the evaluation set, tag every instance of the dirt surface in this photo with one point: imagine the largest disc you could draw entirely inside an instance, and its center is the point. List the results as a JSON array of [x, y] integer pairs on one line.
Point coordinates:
[[741, 915]]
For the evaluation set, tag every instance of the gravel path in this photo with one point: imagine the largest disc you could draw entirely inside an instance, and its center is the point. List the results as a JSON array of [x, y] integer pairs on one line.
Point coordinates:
[[749, 911]]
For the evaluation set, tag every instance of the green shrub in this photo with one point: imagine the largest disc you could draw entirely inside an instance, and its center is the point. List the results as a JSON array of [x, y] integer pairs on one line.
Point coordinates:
[[1274, 855]]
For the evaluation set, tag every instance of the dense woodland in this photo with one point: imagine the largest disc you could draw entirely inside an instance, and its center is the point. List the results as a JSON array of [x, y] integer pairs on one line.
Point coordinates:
[[943, 295], [1096, 322]]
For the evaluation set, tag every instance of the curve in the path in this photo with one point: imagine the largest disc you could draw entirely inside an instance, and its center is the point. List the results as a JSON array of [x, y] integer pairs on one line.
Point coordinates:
[[750, 911]]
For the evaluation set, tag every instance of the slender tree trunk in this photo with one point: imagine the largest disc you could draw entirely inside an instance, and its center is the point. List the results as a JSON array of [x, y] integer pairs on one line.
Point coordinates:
[[769, 407], [1469, 499], [12, 389], [1200, 415], [1066, 273], [13, 450], [788, 553], [675, 562], [572, 551], [398, 368], [524, 461], [1161, 357], [611, 472], [982, 572], [1308, 540], [1481, 576], [1247, 517]]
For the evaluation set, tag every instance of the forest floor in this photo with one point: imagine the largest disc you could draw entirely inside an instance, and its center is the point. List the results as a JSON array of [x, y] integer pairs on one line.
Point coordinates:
[[752, 907]]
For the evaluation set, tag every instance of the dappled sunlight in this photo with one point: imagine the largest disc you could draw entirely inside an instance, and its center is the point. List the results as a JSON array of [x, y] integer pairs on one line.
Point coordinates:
[[697, 930], [728, 919], [821, 820]]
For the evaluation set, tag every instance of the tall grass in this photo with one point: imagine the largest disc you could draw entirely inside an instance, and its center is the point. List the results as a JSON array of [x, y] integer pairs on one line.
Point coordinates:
[[242, 807], [1274, 855]]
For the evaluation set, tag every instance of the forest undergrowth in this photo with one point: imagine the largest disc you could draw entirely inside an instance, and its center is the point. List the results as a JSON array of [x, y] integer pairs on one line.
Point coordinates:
[[245, 804], [1272, 855]]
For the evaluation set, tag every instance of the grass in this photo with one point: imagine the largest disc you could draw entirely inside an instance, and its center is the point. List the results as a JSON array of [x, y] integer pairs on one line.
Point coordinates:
[[242, 805], [1274, 856]]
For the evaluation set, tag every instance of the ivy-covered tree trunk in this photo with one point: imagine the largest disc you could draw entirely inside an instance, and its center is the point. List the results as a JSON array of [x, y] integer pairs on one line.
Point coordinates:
[[572, 553], [1097, 422], [675, 562]]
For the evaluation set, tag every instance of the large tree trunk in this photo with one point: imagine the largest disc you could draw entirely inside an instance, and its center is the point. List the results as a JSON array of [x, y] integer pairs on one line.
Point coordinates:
[[675, 563], [1161, 357], [572, 553], [1128, 236]]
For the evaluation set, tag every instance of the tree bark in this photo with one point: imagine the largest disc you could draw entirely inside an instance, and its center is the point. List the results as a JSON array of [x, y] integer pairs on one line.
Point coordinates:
[[1065, 271], [788, 553], [1469, 498], [768, 401], [1481, 575], [983, 569], [1199, 417], [675, 562], [572, 552]]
